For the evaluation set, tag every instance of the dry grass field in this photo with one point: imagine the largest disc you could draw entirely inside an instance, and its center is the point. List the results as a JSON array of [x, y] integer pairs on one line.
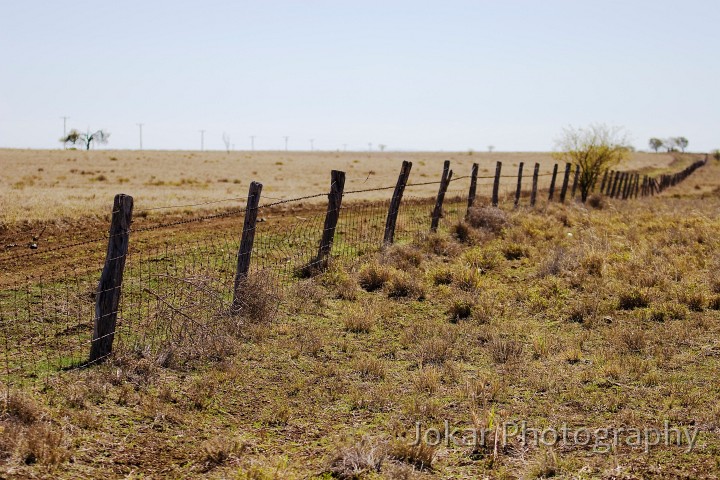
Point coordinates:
[[39, 185], [600, 319]]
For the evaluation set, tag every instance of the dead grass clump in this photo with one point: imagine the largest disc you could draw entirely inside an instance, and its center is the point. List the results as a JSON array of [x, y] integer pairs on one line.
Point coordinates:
[[694, 298], [340, 282], [359, 321], [21, 408], [633, 299], [42, 444], [596, 201], [373, 276], [420, 455], [632, 340], [354, 461], [460, 309], [515, 251], [714, 302], [667, 311], [370, 367], [491, 219], [435, 350], [440, 245], [427, 379], [504, 350], [462, 232], [218, 451], [442, 276], [257, 299], [402, 257], [403, 284]]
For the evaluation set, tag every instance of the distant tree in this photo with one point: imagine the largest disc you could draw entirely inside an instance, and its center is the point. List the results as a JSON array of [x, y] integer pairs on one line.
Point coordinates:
[[595, 149], [655, 144], [716, 154], [86, 139], [491, 148], [382, 147], [226, 141], [681, 142]]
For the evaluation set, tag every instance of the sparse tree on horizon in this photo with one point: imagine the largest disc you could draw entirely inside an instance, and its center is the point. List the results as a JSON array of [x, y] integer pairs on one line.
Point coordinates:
[[226, 141], [595, 149], [681, 142], [655, 144], [86, 139]]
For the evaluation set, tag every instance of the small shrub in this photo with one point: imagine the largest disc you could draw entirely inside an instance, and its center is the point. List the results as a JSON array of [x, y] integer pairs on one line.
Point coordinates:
[[359, 321], [403, 257], [217, 451], [491, 219], [257, 299], [467, 279], [442, 276], [483, 258], [515, 251], [462, 232], [596, 201], [633, 299], [714, 303], [402, 284], [693, 298], [42, 444], [460, 309], [22, 408], [441, 245], [632, 339], [373, 276]]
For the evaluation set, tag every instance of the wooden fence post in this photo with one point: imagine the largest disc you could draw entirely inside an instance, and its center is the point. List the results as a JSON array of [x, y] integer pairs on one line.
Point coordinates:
[[602, 184], [614, 184], [337, 185], [109, 288], [496, 184], [444, 181], [552, 183], [247, 240], [519, 184], [473, 186], [575, 181], [566, 179], [395, 203], [533, 194]]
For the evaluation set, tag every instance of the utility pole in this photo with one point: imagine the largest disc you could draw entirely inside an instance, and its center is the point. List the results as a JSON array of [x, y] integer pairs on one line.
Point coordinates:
[[140, 125], [286, 143], [252, 143], [65, 130], [202, 140], [312, 144]]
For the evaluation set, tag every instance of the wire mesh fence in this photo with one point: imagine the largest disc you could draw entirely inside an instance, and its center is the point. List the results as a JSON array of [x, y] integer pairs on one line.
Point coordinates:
[[179, 291]]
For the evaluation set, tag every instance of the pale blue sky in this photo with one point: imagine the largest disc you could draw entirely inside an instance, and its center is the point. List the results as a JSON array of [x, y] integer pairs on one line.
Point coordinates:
[[413, 75]]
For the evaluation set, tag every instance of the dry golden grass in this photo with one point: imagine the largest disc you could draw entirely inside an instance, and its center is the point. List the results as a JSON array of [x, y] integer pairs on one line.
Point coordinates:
[[49, 184]]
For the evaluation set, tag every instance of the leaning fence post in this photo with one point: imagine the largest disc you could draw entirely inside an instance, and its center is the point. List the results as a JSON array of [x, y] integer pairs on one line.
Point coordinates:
[[533, 194], [575, 181], [395, 202], [615, 180], [444, 181], [519, 184], [473, 186], [337, 185], [496, 184], [566, 179], [107, 299], [248, 238], [552, 183]]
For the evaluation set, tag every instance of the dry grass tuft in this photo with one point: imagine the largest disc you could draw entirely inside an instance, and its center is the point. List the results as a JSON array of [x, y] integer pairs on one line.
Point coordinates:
[[491, 219], [597, 201], [504, 350], [633, 299], [420, 455], [354, 461], [403, 284], [370, 367], [219, 451], [21, 408], [374, 276]]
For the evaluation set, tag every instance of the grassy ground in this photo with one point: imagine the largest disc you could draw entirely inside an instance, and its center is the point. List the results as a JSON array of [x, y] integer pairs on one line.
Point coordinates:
[[40, 185], [594, 318]]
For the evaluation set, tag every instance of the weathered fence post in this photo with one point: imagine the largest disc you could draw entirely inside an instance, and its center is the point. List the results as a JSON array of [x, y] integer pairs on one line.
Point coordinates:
[[533, 194], [337, 185], [444, 181], [575, 181], [395, 203], [614, 184], [519, 184], [107, 299], [566, 179], [247, 240], [496, 184], [473, 186], [552, 183], [602, 184]]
